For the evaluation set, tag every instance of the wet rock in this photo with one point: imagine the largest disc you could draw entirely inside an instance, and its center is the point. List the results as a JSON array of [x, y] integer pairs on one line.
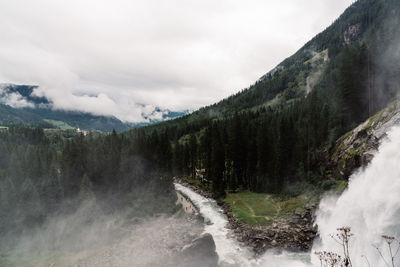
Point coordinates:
[[357, 148], [200, 253]]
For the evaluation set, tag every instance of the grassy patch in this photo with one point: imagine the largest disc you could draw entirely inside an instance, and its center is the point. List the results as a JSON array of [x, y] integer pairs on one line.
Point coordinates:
[[373, 120], [263, 209], [292, 205], [60, 124], [351, 153], [252, 208]]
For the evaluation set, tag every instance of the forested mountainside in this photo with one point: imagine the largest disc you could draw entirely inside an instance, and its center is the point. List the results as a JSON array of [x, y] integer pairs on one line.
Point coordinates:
[[279, 130], [18, 104], [370, 22]]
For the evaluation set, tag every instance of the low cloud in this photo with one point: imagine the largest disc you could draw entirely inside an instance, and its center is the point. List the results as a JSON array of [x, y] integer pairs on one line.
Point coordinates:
[[123, 57], [15, 100]]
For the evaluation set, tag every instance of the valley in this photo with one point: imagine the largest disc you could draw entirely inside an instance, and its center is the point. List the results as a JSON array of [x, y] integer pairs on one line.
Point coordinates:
[[298, 169]]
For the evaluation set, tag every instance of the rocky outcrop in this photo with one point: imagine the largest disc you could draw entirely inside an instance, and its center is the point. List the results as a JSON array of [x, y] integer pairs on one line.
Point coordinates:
[[186, 203], [201, 252], [352, 33], [356, 148]]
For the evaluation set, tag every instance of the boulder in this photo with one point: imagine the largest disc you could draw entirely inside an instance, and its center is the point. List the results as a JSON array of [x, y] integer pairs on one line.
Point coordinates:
[[200, 253]]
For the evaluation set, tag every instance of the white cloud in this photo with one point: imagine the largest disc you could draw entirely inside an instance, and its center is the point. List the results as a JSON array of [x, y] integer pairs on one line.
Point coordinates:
[[15, 100], [108, 57]]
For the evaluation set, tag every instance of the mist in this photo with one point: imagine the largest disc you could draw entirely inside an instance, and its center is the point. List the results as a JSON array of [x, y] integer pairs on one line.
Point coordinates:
[[89, 236], [88, 201]]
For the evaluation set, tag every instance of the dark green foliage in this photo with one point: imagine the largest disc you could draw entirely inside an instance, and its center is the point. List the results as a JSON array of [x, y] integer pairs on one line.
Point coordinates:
[[217, 167], [192, 153], [353, 84]]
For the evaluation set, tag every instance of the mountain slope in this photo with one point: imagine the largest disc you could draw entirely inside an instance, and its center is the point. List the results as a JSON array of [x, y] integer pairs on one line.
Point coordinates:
[[18, 104], [374, 22], [273, 136]]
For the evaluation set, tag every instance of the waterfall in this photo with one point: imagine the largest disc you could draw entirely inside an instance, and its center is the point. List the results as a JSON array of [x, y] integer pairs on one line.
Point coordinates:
[[370, 207]]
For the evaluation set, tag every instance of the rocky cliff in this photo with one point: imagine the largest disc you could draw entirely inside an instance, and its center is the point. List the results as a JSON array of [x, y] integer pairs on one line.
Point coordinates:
[[356, 148]]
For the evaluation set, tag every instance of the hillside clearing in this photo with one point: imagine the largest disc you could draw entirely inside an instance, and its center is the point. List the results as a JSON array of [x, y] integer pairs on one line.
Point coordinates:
[[264, 209]]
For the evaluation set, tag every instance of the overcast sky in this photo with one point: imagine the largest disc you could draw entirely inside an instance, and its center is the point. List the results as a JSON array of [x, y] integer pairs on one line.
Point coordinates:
[[123, 57]]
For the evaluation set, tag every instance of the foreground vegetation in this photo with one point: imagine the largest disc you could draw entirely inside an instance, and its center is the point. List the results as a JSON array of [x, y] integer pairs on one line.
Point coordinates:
[[343, 238]]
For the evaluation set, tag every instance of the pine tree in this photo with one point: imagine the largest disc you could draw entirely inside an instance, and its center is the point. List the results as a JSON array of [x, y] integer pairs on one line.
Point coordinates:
[[86, 189], [217, 162], [193, 155]]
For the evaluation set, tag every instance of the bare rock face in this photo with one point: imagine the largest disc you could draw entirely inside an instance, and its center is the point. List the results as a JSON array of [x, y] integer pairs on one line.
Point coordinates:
[[357, 148], [352, 33], [200, 253]]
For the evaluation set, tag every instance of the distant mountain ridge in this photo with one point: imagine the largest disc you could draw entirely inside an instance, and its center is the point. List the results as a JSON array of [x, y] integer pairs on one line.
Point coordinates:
[[18, 104]]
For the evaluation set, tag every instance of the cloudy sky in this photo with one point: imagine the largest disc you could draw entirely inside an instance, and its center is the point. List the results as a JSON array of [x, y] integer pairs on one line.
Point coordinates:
[[124, 57]]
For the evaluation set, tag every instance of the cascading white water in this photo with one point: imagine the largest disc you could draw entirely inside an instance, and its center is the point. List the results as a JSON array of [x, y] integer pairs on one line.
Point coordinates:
[[230, 252], [370, 206]]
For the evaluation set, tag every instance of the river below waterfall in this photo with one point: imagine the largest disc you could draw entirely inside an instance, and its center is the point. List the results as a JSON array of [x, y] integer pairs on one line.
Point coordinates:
[[370, 207], [229, 250]]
